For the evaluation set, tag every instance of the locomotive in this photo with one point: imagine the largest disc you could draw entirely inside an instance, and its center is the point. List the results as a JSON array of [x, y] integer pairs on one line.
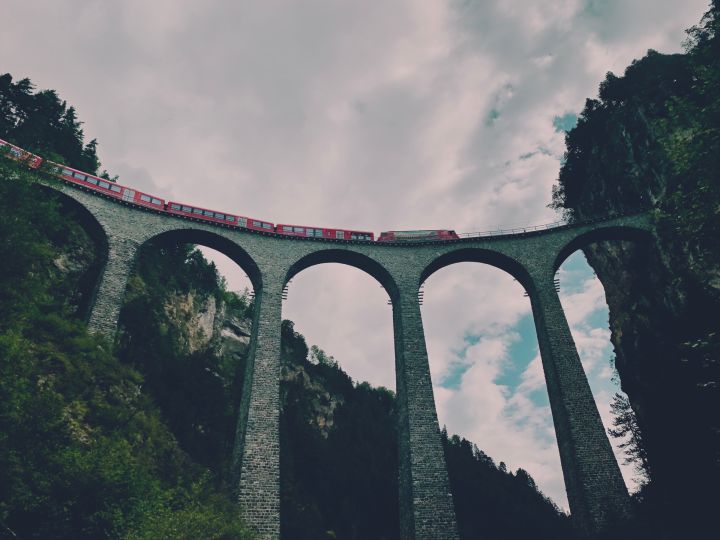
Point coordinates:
[[417, 236], [133, 196]]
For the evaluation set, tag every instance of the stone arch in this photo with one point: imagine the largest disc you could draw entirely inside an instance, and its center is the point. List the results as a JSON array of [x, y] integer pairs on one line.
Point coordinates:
[[87, 219], [480, 255], [97, 233], [348, 257], [601, 234], [216, 241]]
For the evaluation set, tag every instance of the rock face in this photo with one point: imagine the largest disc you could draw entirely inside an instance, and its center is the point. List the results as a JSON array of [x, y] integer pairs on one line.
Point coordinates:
[[202, 321], [638, 147], [322, 403]]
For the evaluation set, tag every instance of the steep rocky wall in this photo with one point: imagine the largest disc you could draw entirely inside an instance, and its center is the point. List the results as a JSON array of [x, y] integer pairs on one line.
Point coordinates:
[[650, 141]]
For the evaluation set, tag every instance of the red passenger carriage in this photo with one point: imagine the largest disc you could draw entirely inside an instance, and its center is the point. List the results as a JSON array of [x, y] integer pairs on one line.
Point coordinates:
[[194, 212], [84, 179], [319, 232], [133, 196]]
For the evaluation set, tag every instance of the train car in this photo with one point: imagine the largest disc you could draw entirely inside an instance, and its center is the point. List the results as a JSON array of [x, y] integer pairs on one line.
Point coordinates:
[[112, 189], [18, 154], [417, 236], [320, 232], [83, 179], [194, 212]]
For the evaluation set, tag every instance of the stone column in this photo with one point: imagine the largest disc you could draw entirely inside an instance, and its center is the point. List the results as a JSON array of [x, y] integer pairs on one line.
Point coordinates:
[[426, 505], [113, 282], [256, 457], [595, 488]]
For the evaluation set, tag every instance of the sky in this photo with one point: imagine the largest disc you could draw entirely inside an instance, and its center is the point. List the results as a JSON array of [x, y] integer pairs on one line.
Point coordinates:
[[375, 115]]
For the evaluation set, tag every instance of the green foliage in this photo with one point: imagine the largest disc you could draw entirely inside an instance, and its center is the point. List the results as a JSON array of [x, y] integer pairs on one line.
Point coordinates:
[[626, 427], [338, 453], [651, 141], [199, 512], [489, 501], [84, 451], [197, 392], [43, 124]]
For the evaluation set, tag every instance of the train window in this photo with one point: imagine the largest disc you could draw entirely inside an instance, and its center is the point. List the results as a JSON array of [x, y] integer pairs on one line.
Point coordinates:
[[229, 218], [287, 228], [79, 176], [267, 226], [175, 206], [105, 185], [144, 198], [186, 209], [208, 213], [339, 234], [156, 201], [309, 232], [299, 229], [67, 172], [115, 188], [220, 216], [93, 181], [242, 221], [197, 211], [256, 224]]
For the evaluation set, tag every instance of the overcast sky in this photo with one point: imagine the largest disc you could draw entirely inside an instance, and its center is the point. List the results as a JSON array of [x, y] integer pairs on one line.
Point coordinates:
[[373, 115]]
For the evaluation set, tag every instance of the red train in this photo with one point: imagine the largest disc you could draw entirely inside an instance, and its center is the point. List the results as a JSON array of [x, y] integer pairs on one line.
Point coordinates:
[[132, 196], [319, 232]]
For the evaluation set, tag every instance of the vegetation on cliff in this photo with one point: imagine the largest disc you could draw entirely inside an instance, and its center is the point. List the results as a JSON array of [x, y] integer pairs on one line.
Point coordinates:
[[651, 141], [44, 124], [84, 450]]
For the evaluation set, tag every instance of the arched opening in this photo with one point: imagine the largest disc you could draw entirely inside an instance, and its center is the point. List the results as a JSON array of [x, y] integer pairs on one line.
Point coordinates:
[[186, 326], [490, 391], [86, 257], [606, 286], [338, 442]]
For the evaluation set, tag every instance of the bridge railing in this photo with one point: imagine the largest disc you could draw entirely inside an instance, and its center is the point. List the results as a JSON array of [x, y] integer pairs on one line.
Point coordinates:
[[514, 230]]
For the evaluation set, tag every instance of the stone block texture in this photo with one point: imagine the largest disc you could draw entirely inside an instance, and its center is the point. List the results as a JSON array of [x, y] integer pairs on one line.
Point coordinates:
[[592, 477]]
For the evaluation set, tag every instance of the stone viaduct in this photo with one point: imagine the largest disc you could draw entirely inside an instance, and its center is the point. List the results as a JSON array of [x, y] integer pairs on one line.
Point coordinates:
[[595, 488]]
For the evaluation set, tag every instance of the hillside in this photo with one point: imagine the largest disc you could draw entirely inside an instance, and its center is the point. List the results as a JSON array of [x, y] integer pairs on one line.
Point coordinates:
[[651, 140]]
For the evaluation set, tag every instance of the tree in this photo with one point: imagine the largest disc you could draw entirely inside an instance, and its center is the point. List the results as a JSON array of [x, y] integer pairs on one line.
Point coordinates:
[[625, 427], [44, 124]]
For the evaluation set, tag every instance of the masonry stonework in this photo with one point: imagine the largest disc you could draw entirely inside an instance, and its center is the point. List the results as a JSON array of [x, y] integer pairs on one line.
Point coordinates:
[[596, 491]]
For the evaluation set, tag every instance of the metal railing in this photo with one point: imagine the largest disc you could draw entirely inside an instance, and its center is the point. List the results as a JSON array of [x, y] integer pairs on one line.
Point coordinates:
[[514, 230]]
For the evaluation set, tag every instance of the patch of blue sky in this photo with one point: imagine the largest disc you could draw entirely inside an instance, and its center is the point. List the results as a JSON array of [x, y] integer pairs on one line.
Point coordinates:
[[457, 368], [565, 122], [574, 272], [520, 353]]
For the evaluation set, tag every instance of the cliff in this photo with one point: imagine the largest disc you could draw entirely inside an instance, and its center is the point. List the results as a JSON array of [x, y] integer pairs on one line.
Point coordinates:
[[84, 450], [651, 142]]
